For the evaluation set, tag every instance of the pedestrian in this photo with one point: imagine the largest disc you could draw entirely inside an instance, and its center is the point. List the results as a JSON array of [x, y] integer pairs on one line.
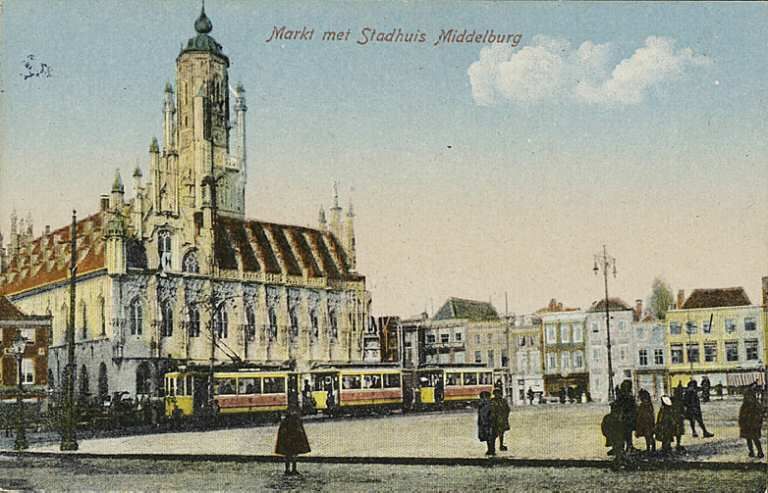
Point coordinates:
[[693, 410], [291, 439], [646, 421], [666, 425], [500, 417], [628, 412], [485, 423], [530, 396], [439, 391], [751, 421], [562, 395], [705, 388], [613, 431], [678, 416]]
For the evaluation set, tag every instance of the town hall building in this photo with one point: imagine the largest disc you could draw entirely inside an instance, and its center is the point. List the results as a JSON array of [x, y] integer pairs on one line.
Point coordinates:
[[176, 274]]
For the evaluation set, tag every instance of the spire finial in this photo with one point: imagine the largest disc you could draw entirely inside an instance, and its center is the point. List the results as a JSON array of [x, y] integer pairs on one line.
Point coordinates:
[[117, 185], [350, 212], [336, 194], [203, 24]]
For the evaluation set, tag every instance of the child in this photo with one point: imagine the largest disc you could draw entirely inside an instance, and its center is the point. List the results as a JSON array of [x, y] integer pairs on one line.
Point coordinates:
[[645, 421], [291, 439], [750, 422], [666, 426]]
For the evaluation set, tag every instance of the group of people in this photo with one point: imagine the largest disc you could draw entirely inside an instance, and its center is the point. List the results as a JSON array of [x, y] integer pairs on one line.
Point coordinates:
[[492, 420], [627, 417]]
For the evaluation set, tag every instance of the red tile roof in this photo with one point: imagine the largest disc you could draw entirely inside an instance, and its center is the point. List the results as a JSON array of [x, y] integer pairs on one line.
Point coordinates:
[[53, 257], [712, 298]]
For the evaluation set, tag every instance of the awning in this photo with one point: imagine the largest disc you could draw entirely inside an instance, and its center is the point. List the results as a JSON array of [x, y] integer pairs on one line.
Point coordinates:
[[745, 378]]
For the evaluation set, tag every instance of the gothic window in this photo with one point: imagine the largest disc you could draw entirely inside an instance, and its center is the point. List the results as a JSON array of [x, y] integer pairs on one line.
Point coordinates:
[[166, 314], [164, 250], [314, 323], [294, 322], [272, 315], [102, 317], [103, 387], [85, 387], [143, 379], [194, 322], [220, 322], [135, 317], [189, 264], [250, 323], [83, 319], [334, 324]]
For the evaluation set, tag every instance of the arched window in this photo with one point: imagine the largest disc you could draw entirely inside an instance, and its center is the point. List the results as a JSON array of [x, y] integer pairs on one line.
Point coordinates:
[[333, 318], [102, 317], [103, 382], [220, 322], [143, 379], [135, 317], [314, 323], [272, 329], [250, 322], [164, 249], [85, 390], [294, 319], [189, 264], [51, 381], [166, 323], [194, 322], [83, 319]]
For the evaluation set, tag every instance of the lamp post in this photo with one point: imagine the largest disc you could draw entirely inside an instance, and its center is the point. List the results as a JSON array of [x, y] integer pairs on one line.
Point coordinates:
[[606, 263], [18, 345]]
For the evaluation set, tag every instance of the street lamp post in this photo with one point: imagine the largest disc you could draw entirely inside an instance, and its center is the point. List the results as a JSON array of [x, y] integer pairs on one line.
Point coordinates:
[[68, 439], [606, 263], [17, 348]]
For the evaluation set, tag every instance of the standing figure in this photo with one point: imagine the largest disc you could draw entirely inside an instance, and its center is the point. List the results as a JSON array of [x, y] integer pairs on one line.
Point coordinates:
[[500, 416], [291, 439], [666, 425], [646, 421], [439, 391], [530, 396], [705, 388], [751, 421], [613, 431], [628, 412], [678, 415], [485, 423], [693, 409], [307, 401]]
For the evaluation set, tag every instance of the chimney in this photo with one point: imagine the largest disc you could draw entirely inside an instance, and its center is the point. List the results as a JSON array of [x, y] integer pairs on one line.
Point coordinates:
[[103, 202], [639, 309], [765, 291], [680, 299]]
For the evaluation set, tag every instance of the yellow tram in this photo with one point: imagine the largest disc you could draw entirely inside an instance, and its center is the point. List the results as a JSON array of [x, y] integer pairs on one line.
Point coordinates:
[[451, 385]]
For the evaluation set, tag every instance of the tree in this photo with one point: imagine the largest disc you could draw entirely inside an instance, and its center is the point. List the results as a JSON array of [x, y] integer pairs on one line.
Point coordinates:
[[661, 298]]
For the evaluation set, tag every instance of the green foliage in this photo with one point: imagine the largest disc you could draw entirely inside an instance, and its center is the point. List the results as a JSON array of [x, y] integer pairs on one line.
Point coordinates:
[[661, 298]]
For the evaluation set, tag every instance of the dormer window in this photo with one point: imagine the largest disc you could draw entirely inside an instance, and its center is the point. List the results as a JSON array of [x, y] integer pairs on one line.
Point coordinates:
[[164, 250]]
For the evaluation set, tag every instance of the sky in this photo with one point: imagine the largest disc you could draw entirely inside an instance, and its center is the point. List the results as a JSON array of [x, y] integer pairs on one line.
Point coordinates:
[[476, 170]]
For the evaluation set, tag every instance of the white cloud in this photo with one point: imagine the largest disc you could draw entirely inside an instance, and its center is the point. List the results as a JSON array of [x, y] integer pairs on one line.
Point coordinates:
[[551, 69]]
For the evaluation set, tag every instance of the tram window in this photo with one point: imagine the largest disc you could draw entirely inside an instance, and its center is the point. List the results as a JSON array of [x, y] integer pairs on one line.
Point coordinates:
[[274, 385], [350, 382], [188, 386], [453, 380], [391, 381], [470, 379], [248, 386], [486, 378], [225, 386], [372, 381]]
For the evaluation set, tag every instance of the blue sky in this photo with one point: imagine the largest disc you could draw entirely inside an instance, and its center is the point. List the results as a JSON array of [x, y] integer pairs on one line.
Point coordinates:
[[455, 197]]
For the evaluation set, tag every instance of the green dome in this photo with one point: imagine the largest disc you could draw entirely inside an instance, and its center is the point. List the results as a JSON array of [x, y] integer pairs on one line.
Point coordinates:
[[203, 41]]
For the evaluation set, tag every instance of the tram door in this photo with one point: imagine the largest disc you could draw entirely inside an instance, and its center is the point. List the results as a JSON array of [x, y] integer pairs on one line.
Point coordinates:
[[427, 382], [325, 385], [293, 389], [199, 392]]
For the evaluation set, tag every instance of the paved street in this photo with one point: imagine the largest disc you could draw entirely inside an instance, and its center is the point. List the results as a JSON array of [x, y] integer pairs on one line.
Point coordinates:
[[540, 432]]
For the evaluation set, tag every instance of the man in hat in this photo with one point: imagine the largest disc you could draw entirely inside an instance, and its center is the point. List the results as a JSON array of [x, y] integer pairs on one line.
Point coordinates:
[[693, 409], [500, 416]]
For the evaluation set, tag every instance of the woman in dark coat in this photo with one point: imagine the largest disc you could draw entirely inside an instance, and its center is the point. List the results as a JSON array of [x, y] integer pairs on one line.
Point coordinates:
[[291, 439], [485, 423], [645, 421], [666, 425], [678, 415], [500, 416], [751, 421]]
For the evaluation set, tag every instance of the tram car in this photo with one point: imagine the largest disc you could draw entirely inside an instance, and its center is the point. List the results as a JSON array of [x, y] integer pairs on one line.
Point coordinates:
[[240, 392], [354, 390], [452, 386]]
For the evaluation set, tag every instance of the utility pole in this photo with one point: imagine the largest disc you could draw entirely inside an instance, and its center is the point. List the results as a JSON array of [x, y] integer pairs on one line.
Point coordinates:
[[212, 262], [68, 438], [605, 263]]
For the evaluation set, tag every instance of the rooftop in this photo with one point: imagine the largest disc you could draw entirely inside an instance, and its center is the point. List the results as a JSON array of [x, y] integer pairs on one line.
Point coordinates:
[[466, 309], [720, 297]]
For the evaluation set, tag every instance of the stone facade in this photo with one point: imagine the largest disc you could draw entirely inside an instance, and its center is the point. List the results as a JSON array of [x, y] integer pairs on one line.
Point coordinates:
[[176, 275], [622, 346], [565, 363], [525, 343]]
